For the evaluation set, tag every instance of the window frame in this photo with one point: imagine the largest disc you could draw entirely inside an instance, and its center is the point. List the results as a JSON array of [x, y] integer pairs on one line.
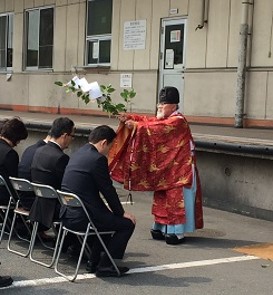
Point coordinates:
[[10, 16], [99, 38], [37, 68]]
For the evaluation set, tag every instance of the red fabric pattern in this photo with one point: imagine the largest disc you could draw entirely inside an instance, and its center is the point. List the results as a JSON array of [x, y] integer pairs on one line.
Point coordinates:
[[164, 204], [157, 156]]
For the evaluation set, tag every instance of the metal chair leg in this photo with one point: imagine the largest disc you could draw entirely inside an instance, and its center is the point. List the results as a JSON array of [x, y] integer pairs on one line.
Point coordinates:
[[55, 249], [72, 277], [10, 236]]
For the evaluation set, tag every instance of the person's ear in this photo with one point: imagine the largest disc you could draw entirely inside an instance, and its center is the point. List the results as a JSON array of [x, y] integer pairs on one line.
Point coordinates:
[[104, 143]]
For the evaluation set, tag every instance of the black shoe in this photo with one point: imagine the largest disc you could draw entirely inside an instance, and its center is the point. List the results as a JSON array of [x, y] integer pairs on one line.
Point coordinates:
[[110, 271], [157, 234], [73, 251], [5, 281], [173, 240], [91, 267]]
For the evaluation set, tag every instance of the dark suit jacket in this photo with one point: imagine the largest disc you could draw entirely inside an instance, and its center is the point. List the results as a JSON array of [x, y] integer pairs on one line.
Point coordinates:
[[47, 167], [87, 175], [9, 160], [24, 171], [24, 168]]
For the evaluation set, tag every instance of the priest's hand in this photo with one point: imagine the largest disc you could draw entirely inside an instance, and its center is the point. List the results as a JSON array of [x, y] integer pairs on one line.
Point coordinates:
[[130, 124]]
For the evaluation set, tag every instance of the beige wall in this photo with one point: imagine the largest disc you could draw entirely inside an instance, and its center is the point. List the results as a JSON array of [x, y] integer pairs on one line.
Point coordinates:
[[262, 34], [211, 56], [213, 97]]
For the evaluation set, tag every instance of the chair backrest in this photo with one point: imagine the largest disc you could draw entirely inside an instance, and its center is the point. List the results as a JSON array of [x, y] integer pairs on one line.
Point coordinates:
[[3, 183], [21, 184], [44, 191], [73, 201]]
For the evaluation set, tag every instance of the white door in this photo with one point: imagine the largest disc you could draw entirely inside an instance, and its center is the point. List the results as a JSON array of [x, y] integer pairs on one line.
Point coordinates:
[[172, 55]]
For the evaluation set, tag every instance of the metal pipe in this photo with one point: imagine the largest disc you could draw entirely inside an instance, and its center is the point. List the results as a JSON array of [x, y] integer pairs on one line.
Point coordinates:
[[204, 15], [260, 151], [241, 69]]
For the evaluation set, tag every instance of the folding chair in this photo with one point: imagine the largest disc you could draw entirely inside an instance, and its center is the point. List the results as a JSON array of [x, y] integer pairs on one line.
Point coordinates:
[[5, 209], [20, 184], [46, 192], [73, 201]]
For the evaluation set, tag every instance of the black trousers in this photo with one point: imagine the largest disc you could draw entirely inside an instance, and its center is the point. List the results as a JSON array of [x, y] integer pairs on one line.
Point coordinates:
[[116, 244]]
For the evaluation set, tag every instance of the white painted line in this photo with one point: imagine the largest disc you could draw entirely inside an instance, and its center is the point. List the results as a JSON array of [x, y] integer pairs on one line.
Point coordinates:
[[56, 280], [193, 264]]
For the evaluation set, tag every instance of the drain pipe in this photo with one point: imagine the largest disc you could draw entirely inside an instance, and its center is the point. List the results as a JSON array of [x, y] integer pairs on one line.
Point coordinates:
[[241, 70], [204, 14]]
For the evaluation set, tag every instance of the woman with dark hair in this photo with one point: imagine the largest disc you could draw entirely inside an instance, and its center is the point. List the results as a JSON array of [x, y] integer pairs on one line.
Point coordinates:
[[12, 131]]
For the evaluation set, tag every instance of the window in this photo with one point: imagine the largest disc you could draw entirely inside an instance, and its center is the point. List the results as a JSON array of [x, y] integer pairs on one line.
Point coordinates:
[[39, 45], [98, 36], [6, 35]]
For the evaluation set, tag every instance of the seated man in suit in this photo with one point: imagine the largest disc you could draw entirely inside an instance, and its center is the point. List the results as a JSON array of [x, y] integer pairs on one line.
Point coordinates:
[[24, 170], [48, 167], [87, 175]]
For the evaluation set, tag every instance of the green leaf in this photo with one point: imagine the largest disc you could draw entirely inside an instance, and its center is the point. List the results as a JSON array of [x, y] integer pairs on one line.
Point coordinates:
[[59, 83], [132, 93], [86, 98], [72, 89], [123, 95], [120, 106]]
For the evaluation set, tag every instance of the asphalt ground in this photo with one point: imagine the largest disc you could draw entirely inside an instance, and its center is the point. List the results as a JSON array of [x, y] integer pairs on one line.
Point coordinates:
[[206, 263]]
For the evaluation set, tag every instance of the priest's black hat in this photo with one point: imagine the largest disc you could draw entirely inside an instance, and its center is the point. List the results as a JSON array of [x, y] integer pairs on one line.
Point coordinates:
[[169, 94]]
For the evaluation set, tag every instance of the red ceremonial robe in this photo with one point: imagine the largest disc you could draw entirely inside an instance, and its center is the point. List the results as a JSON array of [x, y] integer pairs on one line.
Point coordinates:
[[158, 156]]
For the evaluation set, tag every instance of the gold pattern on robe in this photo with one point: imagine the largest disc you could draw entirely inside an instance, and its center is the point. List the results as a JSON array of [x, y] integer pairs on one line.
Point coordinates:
[[163, 149], [134, 166], [145, 149], [190, 161], [183, 180], [153, 168], [180, 205], [144, 183], [167, 129], [162, 182], [180, 144]]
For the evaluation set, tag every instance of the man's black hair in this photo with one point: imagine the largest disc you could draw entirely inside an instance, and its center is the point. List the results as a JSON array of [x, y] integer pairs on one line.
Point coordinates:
[[61, 126], [102, 132]]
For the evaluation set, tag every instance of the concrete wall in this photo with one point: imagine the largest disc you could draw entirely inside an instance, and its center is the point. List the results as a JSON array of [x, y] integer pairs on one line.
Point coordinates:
[[211, 57], [236, 183]]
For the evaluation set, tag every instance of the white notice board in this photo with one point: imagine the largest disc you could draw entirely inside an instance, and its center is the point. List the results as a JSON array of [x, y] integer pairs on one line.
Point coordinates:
[[126, 80], [134, 36]]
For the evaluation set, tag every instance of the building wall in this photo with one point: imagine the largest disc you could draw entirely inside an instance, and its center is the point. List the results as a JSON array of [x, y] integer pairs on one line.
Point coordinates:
[[211, 58]]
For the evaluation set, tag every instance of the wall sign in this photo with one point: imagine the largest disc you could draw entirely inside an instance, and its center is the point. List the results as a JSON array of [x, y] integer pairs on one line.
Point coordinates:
[[134, 36], [175, 36], [126, 80]]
